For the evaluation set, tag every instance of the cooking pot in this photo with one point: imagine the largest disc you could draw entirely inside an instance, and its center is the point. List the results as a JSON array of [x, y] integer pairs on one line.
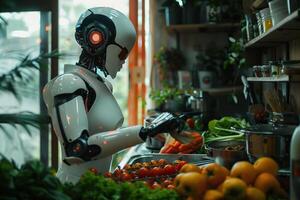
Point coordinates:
[[271, 141], [228, 152]]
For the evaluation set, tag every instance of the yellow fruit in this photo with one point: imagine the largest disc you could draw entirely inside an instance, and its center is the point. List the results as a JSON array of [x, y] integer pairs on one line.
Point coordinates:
[[191, 184], [253, 193], [244, 170], [213, 195], [266, 164], [189, 167], [267, 183], [215, 174], [233, 188]]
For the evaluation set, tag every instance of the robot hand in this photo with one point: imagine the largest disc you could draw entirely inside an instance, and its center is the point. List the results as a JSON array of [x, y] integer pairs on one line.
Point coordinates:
[[165, 122]]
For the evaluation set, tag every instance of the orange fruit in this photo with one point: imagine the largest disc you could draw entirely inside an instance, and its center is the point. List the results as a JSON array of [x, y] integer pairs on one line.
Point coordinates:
[[243, 170], [189, 167], [225, 170], [267, 183], [213, 195], [215, 174], [191, 184], [253, 193], [266, 164], [233, 188]]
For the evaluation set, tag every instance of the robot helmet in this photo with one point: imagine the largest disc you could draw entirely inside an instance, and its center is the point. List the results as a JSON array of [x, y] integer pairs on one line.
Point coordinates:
[[106, 36]]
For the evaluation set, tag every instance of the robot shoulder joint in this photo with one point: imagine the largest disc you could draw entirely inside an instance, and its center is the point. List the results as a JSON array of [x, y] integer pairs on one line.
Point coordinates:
[[68, 84]]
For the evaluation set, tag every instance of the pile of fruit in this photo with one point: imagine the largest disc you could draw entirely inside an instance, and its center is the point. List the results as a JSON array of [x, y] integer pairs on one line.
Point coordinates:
[[155, 174], [245, 181]]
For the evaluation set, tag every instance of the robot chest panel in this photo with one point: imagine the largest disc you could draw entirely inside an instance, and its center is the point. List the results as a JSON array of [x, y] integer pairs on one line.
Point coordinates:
[[104, 113]]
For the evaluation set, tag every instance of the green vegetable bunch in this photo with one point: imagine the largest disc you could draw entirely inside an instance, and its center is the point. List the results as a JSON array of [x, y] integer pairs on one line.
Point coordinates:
[[94, 187], [225, 129], [32, 181]]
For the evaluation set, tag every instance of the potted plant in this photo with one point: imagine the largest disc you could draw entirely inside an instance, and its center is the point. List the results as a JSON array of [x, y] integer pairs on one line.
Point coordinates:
[[209, 66], [168, 60], [235, 60], [168, 99]]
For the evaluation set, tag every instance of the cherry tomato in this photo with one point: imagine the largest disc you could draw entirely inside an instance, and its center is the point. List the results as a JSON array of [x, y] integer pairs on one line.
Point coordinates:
[[128, 167], [107, 174], [156, 171], [167, 182], [171, 187], [154, 163], [143, 172], [156, 185], [126, 177], [191, 122], [180, 164], [94, 170], [169, 169], [118, 172], [162, 162]]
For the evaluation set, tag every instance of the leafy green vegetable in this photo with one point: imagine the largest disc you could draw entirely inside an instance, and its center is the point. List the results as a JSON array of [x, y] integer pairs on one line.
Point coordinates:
[[32, 181], [95, 187], [225, 129]]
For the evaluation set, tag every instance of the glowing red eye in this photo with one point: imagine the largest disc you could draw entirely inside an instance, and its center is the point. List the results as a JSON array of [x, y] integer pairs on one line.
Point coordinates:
[[96, 37]]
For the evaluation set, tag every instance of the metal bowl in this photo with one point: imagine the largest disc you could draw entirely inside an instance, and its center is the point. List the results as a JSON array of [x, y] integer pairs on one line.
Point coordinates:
[[224, 155], [271, 141]]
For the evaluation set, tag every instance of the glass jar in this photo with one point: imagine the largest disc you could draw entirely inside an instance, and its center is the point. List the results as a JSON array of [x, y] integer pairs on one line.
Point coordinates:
[[266, 70], [249, 28], [256, 71], [275, 68]]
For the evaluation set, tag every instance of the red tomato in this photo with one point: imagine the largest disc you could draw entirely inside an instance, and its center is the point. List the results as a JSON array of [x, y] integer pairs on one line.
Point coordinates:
[[191, 122], [143, 172], [167, 182], [156, 171], [169, 169], [162, 162], [126, 177], [107, 174], [118, 172], [156, 185], [180, 164]]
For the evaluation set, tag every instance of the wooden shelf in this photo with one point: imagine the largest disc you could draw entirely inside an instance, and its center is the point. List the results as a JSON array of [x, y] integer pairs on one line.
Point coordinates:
[[223, 90], [286, 30], [283, 78], [221, 27]]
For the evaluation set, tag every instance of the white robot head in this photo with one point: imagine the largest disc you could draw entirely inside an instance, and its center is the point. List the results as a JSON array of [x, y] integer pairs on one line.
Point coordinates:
[[106, 36]]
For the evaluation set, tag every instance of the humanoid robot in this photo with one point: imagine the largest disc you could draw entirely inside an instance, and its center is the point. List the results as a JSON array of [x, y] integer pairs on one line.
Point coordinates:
[[84, 113]]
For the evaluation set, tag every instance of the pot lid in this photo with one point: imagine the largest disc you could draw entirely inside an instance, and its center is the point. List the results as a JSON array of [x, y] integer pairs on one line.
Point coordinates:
[[268, 129]]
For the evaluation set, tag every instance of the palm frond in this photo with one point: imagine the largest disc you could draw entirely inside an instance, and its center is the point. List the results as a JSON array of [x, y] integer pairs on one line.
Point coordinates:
[[22, 73], [23, 119]]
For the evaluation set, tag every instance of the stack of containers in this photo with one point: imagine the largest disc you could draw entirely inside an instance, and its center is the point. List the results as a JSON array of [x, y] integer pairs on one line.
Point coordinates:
[[278, 10], [266, 19]]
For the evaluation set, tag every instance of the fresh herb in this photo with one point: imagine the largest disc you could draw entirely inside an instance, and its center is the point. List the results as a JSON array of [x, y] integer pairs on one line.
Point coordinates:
[[225, 129]]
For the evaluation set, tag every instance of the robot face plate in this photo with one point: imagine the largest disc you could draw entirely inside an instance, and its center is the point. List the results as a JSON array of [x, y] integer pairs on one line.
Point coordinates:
[[113, 62]]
